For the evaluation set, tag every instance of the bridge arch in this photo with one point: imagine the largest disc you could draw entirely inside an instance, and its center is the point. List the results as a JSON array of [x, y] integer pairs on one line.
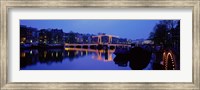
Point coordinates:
[[169, 60]]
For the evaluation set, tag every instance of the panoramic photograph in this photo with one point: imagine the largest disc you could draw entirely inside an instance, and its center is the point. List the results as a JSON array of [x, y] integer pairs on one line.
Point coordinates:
[[99, 44]]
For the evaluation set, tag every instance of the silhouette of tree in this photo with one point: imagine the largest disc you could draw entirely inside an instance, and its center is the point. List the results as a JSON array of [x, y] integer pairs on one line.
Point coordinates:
[[166, 32]]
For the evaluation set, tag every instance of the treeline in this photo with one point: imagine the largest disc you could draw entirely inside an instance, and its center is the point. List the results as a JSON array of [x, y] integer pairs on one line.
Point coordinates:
[[166, 33]]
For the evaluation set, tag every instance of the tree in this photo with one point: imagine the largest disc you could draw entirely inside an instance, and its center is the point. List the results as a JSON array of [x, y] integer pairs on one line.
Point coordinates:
[[166, 32], [151, 36], [159, 34], [176, 34]]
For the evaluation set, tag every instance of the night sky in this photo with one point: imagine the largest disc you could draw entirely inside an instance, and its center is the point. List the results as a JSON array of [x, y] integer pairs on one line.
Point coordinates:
[[130, 29]]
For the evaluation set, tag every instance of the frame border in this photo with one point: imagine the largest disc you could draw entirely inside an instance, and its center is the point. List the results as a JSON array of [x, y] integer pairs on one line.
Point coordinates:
[[5, 5]]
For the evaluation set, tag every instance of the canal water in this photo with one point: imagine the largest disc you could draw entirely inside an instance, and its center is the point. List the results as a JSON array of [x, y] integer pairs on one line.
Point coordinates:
[[71, 59]]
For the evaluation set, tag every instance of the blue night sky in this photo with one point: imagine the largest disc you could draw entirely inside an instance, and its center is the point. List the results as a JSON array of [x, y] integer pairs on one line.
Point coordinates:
[[130, 29]]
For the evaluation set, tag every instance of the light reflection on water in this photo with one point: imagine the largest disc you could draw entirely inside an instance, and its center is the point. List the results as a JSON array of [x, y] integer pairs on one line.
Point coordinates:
[[69, 59]]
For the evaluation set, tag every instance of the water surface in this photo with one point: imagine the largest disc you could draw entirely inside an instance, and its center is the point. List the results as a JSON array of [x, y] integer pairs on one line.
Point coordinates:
[[70, 59]]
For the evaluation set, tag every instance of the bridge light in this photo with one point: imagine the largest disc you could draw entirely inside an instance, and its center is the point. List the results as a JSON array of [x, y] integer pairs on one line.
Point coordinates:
[[67, 49]]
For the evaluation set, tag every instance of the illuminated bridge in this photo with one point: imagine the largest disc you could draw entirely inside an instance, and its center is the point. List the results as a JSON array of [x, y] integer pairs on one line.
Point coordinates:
[[97, 45], [100, 44]]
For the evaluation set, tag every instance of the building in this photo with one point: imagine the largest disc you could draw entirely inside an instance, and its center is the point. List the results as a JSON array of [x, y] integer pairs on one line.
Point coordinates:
[[79, 38], [148, 42], [51, 36], [94, 40], [56, 36], [138, 42], [122, 41], [44, 36], [28, 35]]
